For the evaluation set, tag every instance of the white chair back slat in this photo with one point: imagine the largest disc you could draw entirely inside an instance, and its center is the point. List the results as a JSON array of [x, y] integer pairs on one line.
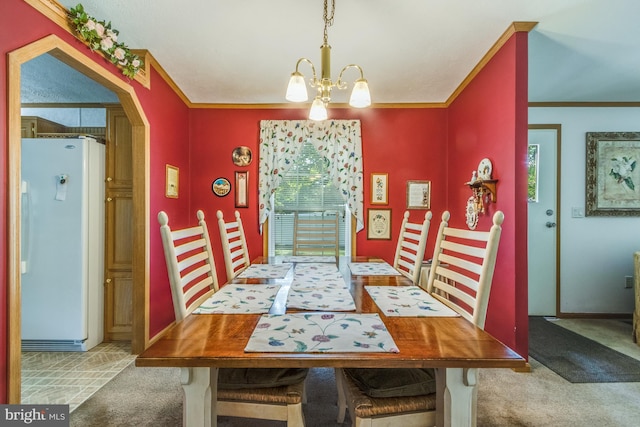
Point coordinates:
[[189, 286], [411, 247], [462, 270], [234, 245]]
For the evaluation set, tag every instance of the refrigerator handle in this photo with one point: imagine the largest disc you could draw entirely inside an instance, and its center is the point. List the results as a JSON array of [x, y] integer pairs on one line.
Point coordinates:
[[26, 219]]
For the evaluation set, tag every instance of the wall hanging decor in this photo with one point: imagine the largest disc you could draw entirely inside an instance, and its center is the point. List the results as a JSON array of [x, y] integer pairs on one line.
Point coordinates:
[[483, 187], [242, 189], [379, 189], [221, 187], [612, 175], [418, 194], [171, 182], [379, 224], [241, 156]]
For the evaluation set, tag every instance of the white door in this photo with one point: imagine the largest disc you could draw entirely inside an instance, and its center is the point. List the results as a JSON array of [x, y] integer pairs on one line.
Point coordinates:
[[543, 222]]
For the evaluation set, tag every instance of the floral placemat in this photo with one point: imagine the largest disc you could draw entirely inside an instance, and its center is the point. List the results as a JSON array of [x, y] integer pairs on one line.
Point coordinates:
[[337, 298], [266, 271], [321, 333], [309, 258], [372, 269], [408, 301], [240, 299], [319, 287]]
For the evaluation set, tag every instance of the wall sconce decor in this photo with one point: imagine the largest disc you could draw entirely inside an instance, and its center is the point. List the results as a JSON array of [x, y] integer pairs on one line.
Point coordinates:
[[483, 188]]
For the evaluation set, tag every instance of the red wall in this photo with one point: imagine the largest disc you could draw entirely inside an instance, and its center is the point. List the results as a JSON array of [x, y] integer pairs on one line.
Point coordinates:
[[408, 144], [489, 119]]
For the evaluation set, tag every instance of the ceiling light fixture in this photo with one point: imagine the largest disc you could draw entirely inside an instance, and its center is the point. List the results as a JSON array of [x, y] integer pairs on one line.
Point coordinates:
[[297, 89]]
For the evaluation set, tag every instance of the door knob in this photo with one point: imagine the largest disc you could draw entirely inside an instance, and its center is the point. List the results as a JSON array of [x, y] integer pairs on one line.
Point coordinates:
[[550, 224]]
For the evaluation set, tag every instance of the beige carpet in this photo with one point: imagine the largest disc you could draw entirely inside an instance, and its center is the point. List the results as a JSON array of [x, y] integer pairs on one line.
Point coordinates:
[[153, 397]]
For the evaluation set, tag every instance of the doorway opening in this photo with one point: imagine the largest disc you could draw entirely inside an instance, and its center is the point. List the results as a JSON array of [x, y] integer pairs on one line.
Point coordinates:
[[140, 141]]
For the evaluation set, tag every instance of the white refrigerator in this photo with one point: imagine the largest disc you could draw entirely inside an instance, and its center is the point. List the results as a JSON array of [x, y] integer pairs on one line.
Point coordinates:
[[62, 246]]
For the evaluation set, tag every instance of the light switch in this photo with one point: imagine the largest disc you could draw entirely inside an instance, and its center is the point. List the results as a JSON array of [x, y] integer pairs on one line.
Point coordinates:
[[577, 212]]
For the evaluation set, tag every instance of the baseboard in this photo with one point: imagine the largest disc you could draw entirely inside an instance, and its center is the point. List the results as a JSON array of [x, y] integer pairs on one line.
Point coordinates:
[[595, 316]]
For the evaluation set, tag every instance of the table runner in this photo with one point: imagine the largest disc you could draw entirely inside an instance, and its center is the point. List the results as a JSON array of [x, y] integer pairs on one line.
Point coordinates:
[[240, 299], [372, 269], [266, 271], [408, 301], [321, 333]]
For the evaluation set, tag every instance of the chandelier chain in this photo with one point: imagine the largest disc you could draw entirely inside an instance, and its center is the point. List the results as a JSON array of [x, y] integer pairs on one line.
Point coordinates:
[[328, 19]]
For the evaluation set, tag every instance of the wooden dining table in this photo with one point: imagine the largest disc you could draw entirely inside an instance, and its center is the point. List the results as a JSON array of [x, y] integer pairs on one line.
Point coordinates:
[[452, 345]]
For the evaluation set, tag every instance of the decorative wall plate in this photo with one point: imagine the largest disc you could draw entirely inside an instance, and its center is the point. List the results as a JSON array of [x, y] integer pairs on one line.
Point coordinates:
[[485, 168], [241, 156], [471, 213], [221, 187]]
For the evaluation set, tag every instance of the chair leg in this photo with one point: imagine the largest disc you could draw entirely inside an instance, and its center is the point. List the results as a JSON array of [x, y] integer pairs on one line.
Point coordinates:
[[295, 417], [342, 397]]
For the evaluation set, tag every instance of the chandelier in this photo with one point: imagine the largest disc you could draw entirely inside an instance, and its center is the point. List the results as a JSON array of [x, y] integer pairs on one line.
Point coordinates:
[[297, 89]]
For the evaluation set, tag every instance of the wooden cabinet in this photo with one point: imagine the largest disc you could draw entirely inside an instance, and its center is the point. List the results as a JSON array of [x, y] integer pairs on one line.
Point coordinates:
[[118, 228], [32, 126]]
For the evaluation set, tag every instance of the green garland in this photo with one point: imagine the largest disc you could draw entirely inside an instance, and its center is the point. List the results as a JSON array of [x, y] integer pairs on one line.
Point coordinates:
[[101, 37]]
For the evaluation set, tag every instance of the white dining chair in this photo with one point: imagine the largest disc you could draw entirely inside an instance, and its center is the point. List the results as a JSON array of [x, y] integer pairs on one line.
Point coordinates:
[[234, 245], [460, 277], [316, 233], [412, 242], [262, 393]]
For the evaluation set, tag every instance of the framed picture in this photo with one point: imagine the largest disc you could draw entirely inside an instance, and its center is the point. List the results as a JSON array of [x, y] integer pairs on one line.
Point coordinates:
[[418, 194], [241, 156], [242, 189], [171, 182], [379, 189], [612, 175], [379, 224], [221, 187]]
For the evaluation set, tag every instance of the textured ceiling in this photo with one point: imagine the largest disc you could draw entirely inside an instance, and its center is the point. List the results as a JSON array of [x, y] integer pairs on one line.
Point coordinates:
[[412, 51]]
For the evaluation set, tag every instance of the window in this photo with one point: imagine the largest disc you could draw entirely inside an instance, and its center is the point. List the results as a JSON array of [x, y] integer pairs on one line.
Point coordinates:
[[307, 189]]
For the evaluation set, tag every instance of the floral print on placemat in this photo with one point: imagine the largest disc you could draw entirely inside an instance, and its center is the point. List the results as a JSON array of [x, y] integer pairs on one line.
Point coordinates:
[[372, 269], [318, 286], [408, 301], [240, 299], [266, 271], [321, 333], [330, 298]]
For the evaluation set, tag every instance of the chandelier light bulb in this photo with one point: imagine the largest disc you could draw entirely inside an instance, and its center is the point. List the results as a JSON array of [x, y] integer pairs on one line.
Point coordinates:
[[318, 110], [360, 96], [297, 89]]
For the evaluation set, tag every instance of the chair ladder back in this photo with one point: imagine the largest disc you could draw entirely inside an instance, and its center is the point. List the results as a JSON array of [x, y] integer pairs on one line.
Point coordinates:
[[316, 236], [411, 245], [462, 270], [190, 264], [234, 245]]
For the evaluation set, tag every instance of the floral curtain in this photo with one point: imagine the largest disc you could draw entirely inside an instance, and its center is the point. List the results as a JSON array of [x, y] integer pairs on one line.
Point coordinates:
[[338, 141]]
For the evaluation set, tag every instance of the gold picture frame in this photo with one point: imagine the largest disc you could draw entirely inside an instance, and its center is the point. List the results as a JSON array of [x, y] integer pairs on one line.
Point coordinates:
[[379, 189], [418, 194], [172, 182], [242, 189], [612, 174], [379, 224]]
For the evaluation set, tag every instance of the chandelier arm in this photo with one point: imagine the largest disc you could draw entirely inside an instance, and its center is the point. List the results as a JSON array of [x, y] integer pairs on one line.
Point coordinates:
[[313, 81], [343, 85]]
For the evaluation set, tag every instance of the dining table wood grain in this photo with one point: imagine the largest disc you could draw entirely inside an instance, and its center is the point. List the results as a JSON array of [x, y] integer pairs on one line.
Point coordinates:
[[453, 345]]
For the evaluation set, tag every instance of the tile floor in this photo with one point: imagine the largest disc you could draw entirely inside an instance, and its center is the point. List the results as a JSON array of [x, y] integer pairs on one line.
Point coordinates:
[[71, 377]]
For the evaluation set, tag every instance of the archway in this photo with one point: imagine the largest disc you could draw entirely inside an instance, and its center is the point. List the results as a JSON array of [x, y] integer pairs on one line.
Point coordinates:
[[140, 134]]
